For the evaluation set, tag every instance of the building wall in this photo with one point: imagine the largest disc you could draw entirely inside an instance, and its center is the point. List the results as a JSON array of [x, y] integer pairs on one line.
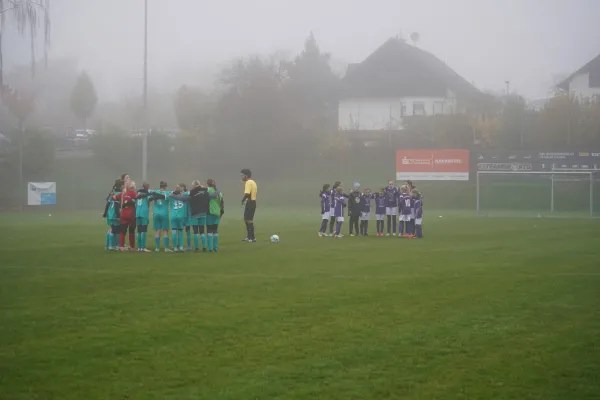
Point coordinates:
[[580, 86], [386, 113]]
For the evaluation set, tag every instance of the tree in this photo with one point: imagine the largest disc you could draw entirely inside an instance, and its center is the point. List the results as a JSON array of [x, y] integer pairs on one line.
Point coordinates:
[[27, 15], [83, 98]]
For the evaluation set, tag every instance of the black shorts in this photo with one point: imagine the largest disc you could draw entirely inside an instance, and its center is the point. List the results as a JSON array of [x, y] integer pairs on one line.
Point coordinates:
[[250, 210]]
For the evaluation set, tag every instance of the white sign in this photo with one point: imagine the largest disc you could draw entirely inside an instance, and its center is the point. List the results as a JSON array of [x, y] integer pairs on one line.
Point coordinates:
[[41, 193]]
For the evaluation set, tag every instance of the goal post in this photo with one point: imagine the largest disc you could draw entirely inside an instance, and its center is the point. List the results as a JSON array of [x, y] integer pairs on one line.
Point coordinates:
[[558, 193]]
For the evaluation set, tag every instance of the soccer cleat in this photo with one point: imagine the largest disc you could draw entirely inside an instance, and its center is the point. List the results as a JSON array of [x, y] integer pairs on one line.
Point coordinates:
[[320, 234], [331, 235], [204, 250], [216, 250], [145, 251], [352, 235], [251, 240], [169, 251], [387, 234], [157, 250], [123, 249], [197, 251], [245, 240]]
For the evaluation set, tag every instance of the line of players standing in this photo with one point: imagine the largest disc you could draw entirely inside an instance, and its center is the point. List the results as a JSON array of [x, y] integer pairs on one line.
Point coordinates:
[[391, 201]]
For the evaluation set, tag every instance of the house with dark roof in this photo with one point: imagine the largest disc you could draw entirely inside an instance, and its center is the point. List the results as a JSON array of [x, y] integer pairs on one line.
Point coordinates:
[[585, 82], [399, 80]]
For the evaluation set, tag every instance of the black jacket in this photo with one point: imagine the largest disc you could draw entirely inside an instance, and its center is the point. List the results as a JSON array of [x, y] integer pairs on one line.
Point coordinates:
[[354, 203], [199, 200]]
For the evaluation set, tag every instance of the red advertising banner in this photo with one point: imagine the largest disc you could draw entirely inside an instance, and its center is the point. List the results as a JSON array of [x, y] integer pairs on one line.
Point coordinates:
[[432, 165]]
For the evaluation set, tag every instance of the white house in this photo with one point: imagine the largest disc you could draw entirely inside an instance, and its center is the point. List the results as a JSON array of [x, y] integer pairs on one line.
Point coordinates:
[[396, 81], [585, 82]]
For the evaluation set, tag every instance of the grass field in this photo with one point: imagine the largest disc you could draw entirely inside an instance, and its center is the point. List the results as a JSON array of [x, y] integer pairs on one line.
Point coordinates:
[[479, 309]]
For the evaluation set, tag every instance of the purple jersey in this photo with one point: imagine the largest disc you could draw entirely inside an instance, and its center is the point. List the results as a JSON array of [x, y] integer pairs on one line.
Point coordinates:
[[366, 203], [391, 196], [339, 202], [418, 208], [380, 204], [406, 203], [325, 202]]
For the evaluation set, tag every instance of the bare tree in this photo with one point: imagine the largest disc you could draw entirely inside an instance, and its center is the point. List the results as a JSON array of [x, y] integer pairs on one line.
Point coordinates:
[[28, 15]]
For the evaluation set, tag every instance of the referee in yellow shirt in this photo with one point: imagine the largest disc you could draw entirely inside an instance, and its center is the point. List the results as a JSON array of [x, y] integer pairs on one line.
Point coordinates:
[[250, 201]]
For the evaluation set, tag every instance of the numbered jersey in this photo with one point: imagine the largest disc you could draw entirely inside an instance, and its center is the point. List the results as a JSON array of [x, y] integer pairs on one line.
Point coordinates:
[[179, 209], [405, 204], [161, 206], [142, 207]]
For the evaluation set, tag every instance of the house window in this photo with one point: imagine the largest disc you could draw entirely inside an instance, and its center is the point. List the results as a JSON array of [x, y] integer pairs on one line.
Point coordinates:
[[438, 107], [418, 108]]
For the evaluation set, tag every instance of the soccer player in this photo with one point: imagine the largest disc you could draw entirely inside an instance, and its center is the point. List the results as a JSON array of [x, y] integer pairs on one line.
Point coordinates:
[[380, 209], [216, 209], [188, 220], [161, 216], [325, 195], [112, 215], [127, 199], [339, 203], [354, 208], [249, 200], [405, 206], [391, 193], [418, 205], [142, 216], [179, 214], [365, 212], [336, 184]]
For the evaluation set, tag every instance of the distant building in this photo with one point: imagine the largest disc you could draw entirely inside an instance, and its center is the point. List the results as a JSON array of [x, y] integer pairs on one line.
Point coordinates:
[[585, 82], [400, 80]]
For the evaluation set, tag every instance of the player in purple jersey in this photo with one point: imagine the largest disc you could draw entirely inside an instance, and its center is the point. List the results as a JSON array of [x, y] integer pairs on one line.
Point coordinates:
[[418, 207], [365, 212], [333, 192], [339, 203], [405, 204], [391, 195], [325, 208], [380, 202]]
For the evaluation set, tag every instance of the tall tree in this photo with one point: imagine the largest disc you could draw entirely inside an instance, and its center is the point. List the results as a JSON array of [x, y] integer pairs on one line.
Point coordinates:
[[83, 98], [28, 16]]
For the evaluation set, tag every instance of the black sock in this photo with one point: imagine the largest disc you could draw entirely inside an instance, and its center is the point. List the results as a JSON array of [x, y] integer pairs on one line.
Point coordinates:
[[331, 225], [394, 231], [251, 231], [366, 227], [389, 223], [247, 230]]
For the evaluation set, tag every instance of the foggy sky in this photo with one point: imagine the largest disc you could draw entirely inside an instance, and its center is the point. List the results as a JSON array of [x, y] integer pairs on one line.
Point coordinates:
[[487, 42]]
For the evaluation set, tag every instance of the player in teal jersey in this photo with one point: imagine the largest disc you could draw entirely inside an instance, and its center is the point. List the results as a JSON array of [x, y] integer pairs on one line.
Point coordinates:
[[112, 215], [188, 219], [179, 213], [142, 215], [161, 216], [216, 209]]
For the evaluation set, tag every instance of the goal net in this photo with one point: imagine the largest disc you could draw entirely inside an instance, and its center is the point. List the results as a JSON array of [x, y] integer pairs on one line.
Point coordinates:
[[569, 194]]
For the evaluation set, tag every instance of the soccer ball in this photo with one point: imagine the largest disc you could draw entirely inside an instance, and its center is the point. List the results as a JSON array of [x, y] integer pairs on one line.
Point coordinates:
[[274, 239]]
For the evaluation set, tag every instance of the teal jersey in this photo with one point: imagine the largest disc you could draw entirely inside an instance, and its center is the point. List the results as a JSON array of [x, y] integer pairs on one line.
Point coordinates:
[[186, 207], [161, 207], [142, 207], [179, 209], [112, 211]]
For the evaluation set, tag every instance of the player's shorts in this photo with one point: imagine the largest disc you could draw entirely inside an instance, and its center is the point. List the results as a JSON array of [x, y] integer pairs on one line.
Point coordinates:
[[200, 221], [405, 217], [113, 222], [365, 216], [391, 210], [250, 210], [139, 221], [339, 219], [129, 221], [160, 222], [177, 223], [379, 217], [213, 220], [325, 215], [419, 221]]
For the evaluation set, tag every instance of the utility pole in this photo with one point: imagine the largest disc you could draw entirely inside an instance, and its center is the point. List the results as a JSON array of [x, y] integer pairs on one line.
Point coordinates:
[[507, 88], [145, 97]]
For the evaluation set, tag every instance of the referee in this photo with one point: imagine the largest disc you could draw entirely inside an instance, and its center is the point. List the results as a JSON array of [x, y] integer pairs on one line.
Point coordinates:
[[250, 201]]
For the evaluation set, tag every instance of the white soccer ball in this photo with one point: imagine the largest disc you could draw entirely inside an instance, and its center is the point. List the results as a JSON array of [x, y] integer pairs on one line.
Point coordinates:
[[274, 239]]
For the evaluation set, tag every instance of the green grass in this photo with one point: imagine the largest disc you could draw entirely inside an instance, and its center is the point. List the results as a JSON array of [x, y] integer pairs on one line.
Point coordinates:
[[479, 309]]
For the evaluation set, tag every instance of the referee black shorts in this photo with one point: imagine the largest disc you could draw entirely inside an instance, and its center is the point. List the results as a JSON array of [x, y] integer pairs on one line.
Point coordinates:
[[250, 210]]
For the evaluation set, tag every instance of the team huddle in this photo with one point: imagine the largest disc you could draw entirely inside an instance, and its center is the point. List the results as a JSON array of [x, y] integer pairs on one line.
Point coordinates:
[[180, 210], [391, 201]]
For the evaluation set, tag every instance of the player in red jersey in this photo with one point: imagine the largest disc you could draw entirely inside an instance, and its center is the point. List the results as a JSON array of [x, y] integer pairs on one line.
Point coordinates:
[[127, 200]]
